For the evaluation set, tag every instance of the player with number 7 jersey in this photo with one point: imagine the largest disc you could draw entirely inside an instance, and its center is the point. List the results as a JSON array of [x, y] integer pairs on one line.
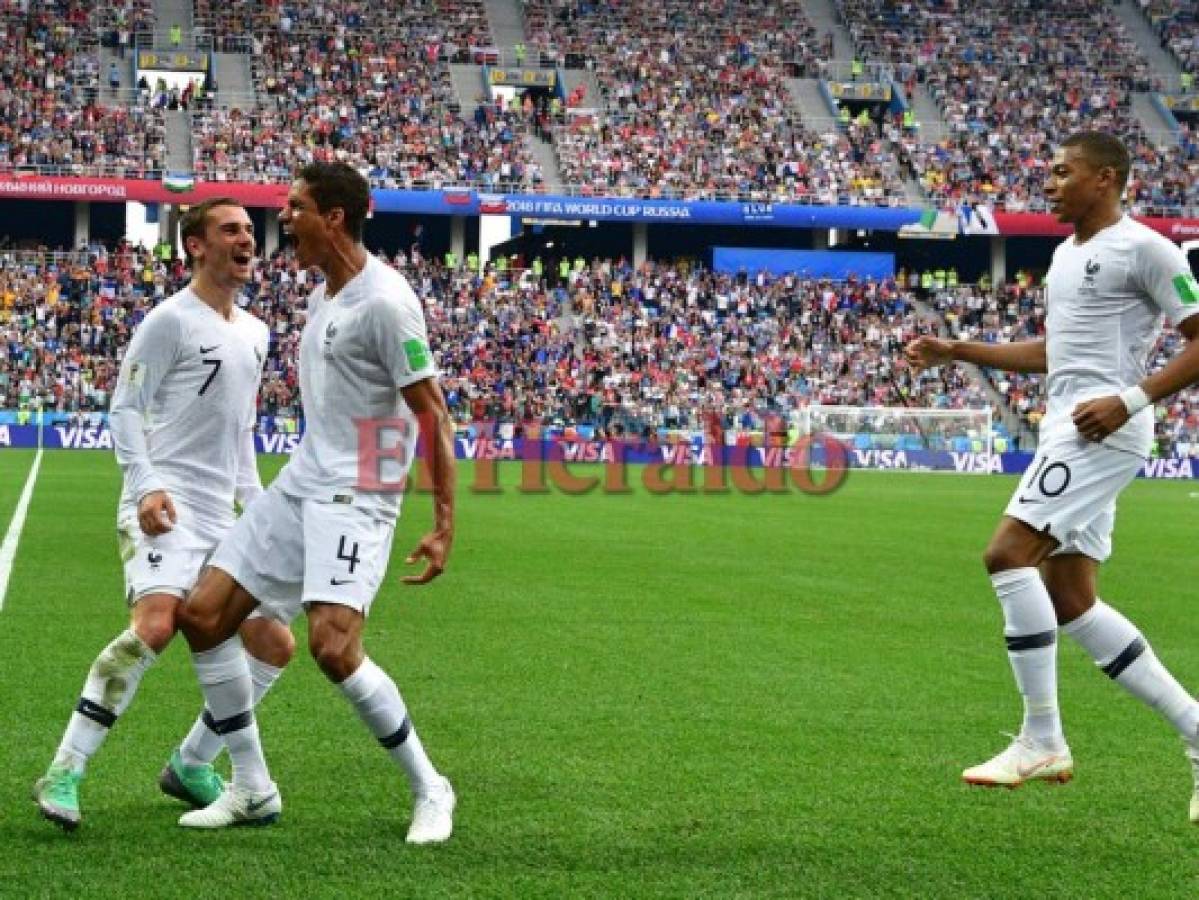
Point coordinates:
[[320, 538], [182, 422], [184, 408]]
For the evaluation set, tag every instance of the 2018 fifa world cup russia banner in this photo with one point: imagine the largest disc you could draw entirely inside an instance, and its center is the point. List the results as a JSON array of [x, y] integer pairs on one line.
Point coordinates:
[[466, 202], [820, 452]]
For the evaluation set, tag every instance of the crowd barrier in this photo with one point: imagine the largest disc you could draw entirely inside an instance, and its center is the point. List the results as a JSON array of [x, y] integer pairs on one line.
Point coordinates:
[[815, 454]]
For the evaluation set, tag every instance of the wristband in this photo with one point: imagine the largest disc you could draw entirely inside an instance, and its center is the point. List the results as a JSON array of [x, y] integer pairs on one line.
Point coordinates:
[[1135, 399]]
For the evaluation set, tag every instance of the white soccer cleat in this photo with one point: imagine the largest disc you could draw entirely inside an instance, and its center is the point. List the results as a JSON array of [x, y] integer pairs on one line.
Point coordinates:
[[237, 806], [1022, 761], [433, 816]]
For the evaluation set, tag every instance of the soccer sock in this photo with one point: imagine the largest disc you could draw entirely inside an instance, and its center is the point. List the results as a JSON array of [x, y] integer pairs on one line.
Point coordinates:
[[202, 745], [111, 683], [1126, 657], [1030, 628], [224, 677], [378, 703]]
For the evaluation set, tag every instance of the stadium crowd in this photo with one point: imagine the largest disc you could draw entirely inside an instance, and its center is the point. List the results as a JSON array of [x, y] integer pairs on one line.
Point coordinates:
[[692, 101], [377, 103], [1010, 81], [50, 118], [602, 349], [453, 29], [1177, 24], [695, 104]]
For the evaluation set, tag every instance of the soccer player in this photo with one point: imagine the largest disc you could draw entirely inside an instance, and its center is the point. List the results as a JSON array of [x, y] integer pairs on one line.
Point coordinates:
[[181, 418], [319, 539], [1108, 286]]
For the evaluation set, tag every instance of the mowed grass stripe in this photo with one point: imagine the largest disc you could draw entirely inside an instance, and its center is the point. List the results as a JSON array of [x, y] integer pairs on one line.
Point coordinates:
[[637, 696]]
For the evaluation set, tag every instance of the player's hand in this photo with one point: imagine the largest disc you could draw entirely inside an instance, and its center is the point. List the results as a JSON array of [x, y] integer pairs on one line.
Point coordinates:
[[928, 352], [1096, 419], [434, 547], [156, 513]]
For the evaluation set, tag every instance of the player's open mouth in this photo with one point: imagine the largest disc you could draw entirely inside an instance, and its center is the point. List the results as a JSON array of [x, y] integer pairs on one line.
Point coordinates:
[[243, 259]]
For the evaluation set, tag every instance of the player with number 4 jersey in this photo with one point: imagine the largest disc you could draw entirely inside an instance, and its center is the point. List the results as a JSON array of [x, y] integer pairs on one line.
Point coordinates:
[[320, 538], [1107, 291]]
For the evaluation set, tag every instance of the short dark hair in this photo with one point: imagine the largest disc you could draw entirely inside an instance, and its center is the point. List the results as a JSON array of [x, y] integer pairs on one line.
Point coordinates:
[[337, 184], [1103, 150], [195, 221]]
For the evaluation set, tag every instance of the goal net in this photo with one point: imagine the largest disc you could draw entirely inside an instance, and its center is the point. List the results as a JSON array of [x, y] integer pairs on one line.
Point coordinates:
[[903, 429]]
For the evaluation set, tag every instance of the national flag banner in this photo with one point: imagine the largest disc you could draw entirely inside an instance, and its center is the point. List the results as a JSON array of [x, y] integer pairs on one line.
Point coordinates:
[[179, 182], [457, 196], [493, 204]]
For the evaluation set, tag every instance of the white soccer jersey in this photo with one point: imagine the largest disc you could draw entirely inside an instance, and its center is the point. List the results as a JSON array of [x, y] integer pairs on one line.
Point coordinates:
[[1105, 302], [183, 412], [358, 349]]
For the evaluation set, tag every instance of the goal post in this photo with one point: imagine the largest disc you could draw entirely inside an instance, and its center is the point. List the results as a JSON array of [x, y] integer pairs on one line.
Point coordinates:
[[902, 428]]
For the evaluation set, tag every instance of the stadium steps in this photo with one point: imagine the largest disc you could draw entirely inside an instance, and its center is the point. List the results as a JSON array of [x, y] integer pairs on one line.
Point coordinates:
[[125, 67], [506, 21], [823, 16], [178, 133], [234, 77], [174, 12], [1159, 130], [913, 193], [1011, 421], [928, 114], [592, 98], [543, 153], [809, 100], [467, 81], [1161, 61]]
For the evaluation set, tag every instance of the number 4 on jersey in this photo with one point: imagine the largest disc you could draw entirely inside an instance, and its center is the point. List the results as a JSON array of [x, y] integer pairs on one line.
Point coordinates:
[[351, 557]]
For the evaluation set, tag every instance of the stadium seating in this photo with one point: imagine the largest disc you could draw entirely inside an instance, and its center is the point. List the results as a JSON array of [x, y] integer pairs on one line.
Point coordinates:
[[1011, 80], [704, 112], [1177, 24], [50, 120], [613, 350]]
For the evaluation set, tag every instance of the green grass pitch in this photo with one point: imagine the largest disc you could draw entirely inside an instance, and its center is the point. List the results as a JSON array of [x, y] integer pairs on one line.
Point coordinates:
[[635, 696]]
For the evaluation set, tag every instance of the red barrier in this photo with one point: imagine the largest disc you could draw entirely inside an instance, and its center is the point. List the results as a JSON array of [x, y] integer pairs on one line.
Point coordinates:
[[1046, 225], [127, 190]]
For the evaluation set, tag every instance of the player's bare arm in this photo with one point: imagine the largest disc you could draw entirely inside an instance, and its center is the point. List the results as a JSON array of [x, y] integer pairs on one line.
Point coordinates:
[[1019, 356], [1096, 419], [427, 402]]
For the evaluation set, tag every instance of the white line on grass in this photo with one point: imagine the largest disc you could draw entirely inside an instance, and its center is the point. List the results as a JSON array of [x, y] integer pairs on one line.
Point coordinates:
[[8, 550]]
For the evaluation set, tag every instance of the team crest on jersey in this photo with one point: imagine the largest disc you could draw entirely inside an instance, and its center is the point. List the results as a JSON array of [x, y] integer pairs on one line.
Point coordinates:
[[330, 334], [1091, 269]]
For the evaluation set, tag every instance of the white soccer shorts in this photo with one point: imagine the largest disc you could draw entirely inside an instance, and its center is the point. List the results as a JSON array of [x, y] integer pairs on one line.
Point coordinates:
[[289, 552], [1070, 491], [161, 564]]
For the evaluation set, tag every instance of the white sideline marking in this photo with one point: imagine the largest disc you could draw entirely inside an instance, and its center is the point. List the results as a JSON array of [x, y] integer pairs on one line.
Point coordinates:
[[8, 550]]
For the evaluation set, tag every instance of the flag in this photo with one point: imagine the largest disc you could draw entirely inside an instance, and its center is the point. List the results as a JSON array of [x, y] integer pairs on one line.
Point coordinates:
[[179, 182]]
